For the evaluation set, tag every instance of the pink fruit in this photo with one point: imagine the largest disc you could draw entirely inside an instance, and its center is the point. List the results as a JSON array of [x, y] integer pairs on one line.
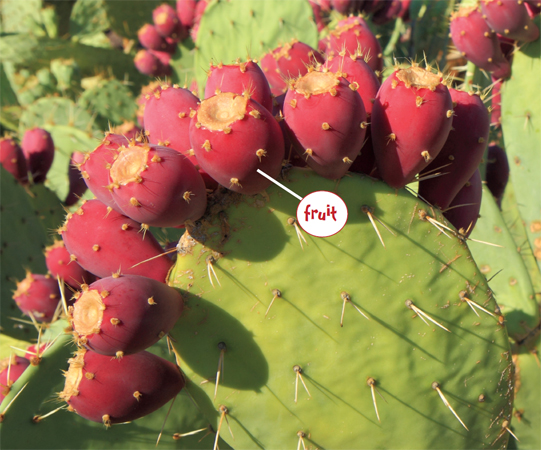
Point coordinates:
[[38, 149], [291, 60], [96, 164], [104, 242], [124, 315], [510, 19], [166, 22], [291, 156], [37, 295], [186, 12], [233, 136], [353, 36], [497, 172], [326, 119], [148, 63], [59, 264], [146, 92], [462, 152], [463, 211], [239, 78], [77, 185], [150, 38], [476, 41], [10, 371], [200, 10], [316, 10], [157, 186], [109, 390], [411, 120], [128, 129], [13, 160], [167, 116]]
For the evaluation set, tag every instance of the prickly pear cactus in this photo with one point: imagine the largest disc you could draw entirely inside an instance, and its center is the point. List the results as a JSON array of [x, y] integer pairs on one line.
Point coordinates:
[[265, 298]]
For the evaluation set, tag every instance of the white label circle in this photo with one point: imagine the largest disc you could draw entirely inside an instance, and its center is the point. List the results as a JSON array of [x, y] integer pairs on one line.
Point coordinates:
[[322, 214]]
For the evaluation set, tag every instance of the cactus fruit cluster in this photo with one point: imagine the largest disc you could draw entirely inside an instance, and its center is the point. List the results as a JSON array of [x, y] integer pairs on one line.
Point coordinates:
[[163, 279]]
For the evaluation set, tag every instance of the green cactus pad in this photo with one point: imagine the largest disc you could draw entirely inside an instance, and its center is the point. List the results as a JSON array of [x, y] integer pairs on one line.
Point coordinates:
[[28, 219], [21, 16], [111, 101], [512, 286], [65, 430], [521, 125], [88, 18], [232, 261], [237, 28]]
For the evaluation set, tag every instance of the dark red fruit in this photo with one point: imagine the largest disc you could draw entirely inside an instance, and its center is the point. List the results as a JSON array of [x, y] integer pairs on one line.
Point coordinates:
[[411, 120], [353, 35], [157, 186], [463, 211], [37, 295], [13, 159], [104, 242], [167, 24], [109, 390], [233, 136], [326, 120], [148, 63], [59, 264], [186, 12], [462, 152], [477, 42], [150, 38], [239, 78], [510, 19], [118, 316], [38, 149], [497, 172], [10, 370]]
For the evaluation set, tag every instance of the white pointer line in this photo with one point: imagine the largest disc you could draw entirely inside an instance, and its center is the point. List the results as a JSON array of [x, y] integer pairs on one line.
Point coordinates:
[[279, 184]]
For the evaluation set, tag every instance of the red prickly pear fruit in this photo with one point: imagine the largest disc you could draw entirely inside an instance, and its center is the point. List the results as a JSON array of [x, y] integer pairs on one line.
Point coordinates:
[[124, 315], [11, 369], [38, 149], [59, 264], [115, 390], [233, 136], [157, 186], [37, 295], [240, 78], [355, 69], [199, 11], [404, 13], [411, 119], [150, 38], [291, 60], [497, 172], [326, 120], [193, 31], [366, 160], [272, 73], [186, 12], [476, 41], [510, 19], [463, 211], [146, 92], [353, 35], [148, 63], [295, 58], [462, 152], [96, 164], [77, 185], [167, 115], [166, 22], [13, 160], [104, 242]]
